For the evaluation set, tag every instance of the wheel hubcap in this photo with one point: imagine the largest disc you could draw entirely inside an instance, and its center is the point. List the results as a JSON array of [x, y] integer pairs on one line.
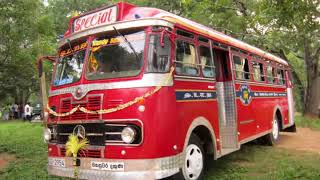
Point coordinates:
[[193, 162], [275, 129]]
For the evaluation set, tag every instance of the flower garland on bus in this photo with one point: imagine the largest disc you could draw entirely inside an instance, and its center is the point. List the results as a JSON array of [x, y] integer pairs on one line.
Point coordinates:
[[111, 110]]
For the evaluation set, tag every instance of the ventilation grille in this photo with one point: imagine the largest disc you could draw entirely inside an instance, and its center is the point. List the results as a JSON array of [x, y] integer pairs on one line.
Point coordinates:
[[93, 153], [91, 103]]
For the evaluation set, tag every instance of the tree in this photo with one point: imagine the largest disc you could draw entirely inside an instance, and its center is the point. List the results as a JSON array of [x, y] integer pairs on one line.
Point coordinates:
[[24, 35]]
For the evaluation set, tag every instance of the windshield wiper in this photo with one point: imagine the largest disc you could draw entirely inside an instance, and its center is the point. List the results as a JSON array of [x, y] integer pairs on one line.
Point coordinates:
[[129, 43]]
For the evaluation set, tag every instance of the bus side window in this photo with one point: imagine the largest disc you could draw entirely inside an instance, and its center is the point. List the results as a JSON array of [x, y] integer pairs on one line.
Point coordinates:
[[206, 61], [258, 71], [241, 68], [158, 56], [186, 61], [280, 76], [270, 74]]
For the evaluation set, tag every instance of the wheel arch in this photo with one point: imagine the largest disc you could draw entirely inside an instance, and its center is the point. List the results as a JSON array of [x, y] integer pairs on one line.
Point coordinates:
[[202, 128], [277, 113]]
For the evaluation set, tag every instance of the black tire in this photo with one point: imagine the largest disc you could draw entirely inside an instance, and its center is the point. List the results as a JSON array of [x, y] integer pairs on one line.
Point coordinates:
[[195, 145], [273, 137]]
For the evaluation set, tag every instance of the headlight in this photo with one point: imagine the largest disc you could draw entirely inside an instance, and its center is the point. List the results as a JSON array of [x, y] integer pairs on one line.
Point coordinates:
[[128, 134], [47, 134]]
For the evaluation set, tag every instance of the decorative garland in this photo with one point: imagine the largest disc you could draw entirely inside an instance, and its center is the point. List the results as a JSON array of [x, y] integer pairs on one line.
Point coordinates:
[[110, 110]]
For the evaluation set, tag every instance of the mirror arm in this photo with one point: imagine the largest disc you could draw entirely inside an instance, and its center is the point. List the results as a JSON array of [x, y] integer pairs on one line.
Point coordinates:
[[43, 88]]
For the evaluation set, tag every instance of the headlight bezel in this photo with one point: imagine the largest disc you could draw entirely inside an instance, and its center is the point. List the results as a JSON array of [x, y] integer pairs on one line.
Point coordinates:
[[47, 135], [128, 134]]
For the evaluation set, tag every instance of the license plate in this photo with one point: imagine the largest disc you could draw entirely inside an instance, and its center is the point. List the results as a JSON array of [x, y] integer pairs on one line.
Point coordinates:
[[57, 162], [107, 166]]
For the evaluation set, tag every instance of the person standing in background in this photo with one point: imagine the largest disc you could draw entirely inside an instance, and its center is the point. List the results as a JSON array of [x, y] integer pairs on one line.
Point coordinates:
[[6, 112], [16, 111], [27, 112]]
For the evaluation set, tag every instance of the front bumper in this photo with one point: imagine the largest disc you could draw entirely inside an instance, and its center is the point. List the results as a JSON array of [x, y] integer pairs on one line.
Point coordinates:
[[142, 169]]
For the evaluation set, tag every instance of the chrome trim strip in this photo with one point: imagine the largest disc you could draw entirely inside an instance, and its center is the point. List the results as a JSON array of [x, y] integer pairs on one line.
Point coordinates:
[[290, 107], [255, 136], [80, 121], [148, 80], [119, 25], [247, 121], [113, 133], [114, 141], [194, 79], [144, 169], [115, 125], [94, 134]]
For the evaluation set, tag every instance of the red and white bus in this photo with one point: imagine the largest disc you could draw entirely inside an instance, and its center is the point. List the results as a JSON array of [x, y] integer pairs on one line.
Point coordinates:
[[156, 94]]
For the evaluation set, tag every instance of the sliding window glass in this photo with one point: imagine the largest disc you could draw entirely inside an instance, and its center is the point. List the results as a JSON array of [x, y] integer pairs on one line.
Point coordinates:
[[257, 69], [206, 61], [271, 74], [186, 61], [241, 68]]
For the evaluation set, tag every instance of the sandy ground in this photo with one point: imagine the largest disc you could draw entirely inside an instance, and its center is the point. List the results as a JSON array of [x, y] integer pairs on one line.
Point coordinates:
[[5, 158], [304, 139]]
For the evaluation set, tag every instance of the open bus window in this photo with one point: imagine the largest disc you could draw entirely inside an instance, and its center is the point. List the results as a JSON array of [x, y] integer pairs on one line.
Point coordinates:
[[158, 56], [69, 68], [186, 61], [271, 74], [257, 71], [112, 57], [280, 76], [241, 66], [206, 61]]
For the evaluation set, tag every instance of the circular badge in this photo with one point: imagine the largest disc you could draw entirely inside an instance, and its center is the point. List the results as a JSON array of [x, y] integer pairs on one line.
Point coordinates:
[[245, 94]]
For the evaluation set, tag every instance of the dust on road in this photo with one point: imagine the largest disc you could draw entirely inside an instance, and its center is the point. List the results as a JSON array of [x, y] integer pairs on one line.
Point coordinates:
[[304, 139]]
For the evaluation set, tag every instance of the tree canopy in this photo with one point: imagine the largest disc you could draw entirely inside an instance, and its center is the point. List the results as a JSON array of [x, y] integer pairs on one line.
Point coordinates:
[[289, 29]]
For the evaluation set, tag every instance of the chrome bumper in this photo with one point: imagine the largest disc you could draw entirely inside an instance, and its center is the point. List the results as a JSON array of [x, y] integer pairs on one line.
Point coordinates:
[[144, 169]]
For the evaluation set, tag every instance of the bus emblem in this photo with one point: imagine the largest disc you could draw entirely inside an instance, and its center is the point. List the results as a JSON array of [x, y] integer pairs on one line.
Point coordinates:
[[79, 131], [245, 94]]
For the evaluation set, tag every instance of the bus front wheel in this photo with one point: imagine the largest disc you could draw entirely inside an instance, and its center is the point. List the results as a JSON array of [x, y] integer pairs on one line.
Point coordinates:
[[193, 163]]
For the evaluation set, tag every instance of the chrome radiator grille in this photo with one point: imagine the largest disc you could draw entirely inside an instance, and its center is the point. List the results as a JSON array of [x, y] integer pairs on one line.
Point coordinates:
[[93, 102]]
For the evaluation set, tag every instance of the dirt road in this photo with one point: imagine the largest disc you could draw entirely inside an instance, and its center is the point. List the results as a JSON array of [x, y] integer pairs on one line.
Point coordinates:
[[5, 158], [304, 139]]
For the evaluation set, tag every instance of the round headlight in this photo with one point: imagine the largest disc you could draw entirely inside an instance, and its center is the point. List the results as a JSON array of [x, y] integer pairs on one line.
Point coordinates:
[[47, 134], [128, 134]]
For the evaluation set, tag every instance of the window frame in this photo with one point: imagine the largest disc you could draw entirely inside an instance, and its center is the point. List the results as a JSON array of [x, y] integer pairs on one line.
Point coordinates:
[[270, 63], [280, 67], [147, 48], [192, 41], [241, 56], [255, 59], [209, 46]]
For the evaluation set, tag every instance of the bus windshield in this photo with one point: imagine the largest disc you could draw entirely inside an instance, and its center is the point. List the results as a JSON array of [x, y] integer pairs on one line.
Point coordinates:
[[111, 56], [69, 65]]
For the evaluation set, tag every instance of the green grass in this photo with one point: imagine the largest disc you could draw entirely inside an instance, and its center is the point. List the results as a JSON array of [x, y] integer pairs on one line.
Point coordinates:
[[307, 122], [24, 140], [265, 163]]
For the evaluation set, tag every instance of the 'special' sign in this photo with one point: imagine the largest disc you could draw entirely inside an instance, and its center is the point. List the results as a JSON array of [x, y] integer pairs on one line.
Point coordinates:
[[100, 18]]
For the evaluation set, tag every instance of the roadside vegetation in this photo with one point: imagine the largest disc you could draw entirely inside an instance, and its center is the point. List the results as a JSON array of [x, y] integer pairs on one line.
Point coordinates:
[[307, 122], [253, 161]]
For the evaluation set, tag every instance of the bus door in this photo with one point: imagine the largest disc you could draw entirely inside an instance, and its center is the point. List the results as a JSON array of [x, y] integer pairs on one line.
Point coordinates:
[[226, 103]]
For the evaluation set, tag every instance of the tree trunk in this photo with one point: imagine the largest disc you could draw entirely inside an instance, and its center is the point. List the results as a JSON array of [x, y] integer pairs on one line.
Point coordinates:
[[313, 103], [312, 96]]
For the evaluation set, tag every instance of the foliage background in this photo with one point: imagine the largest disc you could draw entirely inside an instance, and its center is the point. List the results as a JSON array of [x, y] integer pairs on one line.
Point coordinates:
[[289, 29]]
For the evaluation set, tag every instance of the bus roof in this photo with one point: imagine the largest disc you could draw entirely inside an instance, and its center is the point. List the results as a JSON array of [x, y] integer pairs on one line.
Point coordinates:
[[122, 12]]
